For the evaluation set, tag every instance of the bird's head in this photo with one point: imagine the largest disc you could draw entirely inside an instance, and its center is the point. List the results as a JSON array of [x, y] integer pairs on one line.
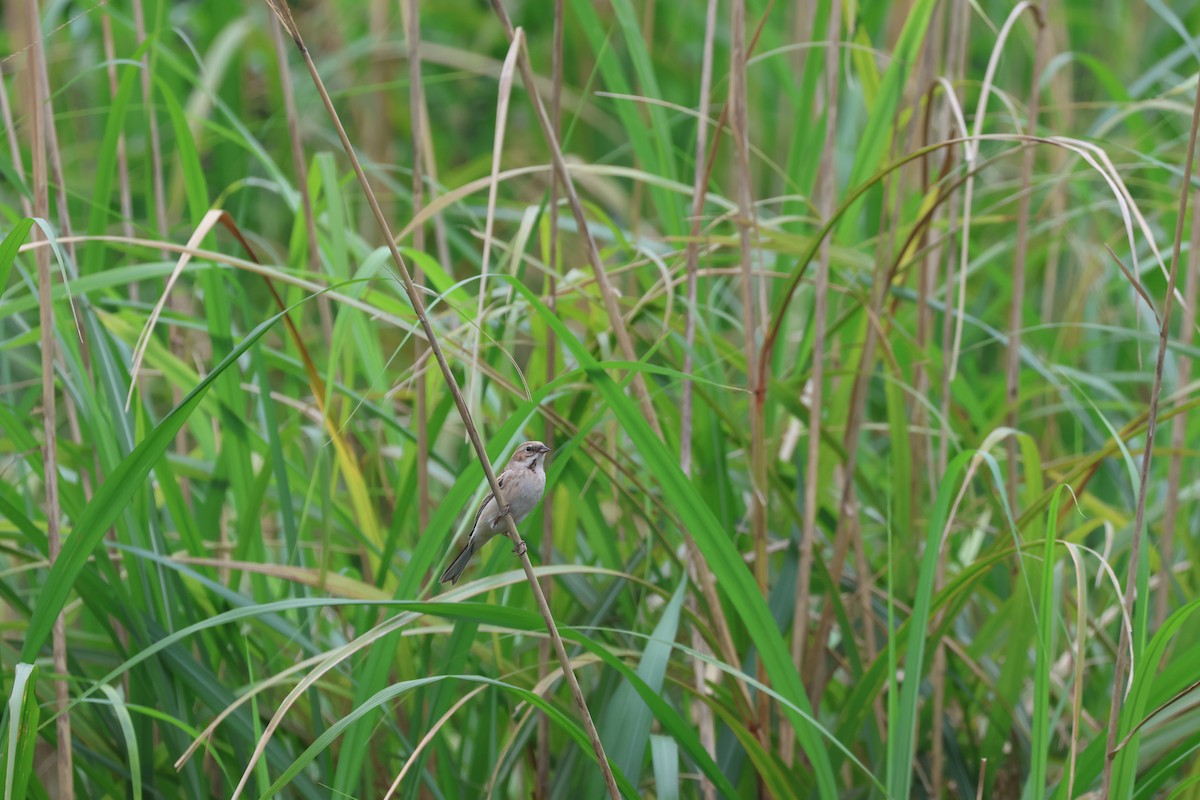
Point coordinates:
[[530, 455]]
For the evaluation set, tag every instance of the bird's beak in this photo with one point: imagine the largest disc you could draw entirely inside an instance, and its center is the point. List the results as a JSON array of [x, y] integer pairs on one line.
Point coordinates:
[[545, 449]]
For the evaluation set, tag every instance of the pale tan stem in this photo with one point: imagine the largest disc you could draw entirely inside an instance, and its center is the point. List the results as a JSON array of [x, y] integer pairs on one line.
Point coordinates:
[[551, 350], [695, 560], [826, 198], [414, 296], [37, 111], [1012, 373], [416, 106], [1139, 521], [1178, 426]]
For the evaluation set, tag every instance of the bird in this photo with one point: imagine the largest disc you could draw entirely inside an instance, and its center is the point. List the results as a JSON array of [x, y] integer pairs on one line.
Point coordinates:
[[523, 481]]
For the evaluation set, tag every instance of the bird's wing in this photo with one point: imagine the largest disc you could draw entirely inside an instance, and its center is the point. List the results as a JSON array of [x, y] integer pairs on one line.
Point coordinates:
[[499, 482]]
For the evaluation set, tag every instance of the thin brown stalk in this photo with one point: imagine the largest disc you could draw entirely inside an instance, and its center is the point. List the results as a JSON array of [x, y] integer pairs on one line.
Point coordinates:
[[923, 449], [126, 194], [955, 68], [54, 155], [372, 114], [1135, 545], [551, 350], [428, 161], [922, 112], [593, 252], [156, 165], [845, 531], [416, 105], [826, 200], [414, 295], [695, 560], [740, 125], [300, 165], [126, 201], [160, 211], [1012, 373], [1162, 600], [38, 104]]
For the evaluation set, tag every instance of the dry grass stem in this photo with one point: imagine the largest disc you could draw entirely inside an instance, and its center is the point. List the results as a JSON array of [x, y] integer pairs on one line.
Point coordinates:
[[1123, 665], [418, 305]]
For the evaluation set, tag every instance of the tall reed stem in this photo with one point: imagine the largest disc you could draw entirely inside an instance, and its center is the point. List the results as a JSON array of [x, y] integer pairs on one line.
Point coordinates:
[[285, 16]]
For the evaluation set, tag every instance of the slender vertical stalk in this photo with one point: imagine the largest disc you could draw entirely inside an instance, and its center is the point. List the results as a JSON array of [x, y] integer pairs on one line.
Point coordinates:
[[846, 532], [54, 160], [551, 351], [156, 165], [160, 212], [300, 165], [1166, 546], [414, 296], [740, 124], [38, 101], [956, 27], [373, 113], [959, 28], [919, 136], [1012, 373], [125, 192], [126, 201], [695, 561], [607, 294], [826, 198], [1139, 520], [416, 104]]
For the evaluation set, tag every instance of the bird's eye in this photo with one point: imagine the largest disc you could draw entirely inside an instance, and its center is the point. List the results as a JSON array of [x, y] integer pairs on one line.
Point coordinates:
[[529, 449]]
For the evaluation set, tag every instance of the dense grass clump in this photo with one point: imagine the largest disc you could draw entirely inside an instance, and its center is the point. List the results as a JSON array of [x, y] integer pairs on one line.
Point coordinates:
[[862, 335]]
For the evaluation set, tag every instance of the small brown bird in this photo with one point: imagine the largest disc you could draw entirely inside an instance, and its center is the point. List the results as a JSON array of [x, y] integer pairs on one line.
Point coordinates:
[[523, 481]]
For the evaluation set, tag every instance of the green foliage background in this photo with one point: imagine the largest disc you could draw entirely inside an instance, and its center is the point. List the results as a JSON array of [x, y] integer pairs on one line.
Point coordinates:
[[245, 543]]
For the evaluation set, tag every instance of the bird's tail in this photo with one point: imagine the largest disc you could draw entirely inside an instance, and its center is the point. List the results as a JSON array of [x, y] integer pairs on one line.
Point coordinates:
[[455, 570]]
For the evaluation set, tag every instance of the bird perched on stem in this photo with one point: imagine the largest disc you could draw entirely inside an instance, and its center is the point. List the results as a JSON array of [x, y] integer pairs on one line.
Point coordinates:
[[523, 481]]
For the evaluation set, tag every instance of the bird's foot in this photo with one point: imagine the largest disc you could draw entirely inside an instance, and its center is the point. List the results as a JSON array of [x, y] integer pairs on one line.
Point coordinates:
[[505, 510], [520, 549]]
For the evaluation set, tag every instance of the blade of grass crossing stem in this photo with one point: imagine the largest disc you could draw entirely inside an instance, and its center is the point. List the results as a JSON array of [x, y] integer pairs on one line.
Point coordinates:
[[133, 756], [625, 726], [23, 713], [730, 569], [393, 692], [1091, 762], [434, 543], [902, 745], [1046, 619], [9, 248], [453, 661], [111, 498], [1148, 682]]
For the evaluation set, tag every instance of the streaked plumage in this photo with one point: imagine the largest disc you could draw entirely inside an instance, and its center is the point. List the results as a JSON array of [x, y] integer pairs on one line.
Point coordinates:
[[522, 482]]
